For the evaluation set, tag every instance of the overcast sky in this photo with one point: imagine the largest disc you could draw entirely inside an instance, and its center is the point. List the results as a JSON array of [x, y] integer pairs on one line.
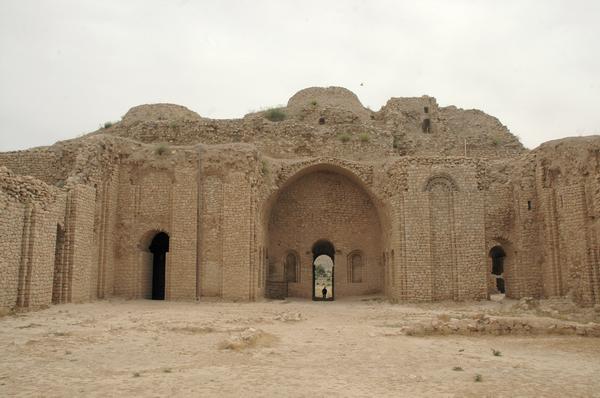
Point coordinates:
[[68, 66]]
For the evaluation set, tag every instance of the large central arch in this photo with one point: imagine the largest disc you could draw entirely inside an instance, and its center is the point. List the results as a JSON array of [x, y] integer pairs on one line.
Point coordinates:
[[326, 203]]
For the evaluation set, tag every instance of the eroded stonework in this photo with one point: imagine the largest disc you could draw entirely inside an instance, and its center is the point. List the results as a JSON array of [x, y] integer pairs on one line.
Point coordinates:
[[417, 202]]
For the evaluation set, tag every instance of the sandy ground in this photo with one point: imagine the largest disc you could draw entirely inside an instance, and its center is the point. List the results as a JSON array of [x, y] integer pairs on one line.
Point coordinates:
[[286, 348]]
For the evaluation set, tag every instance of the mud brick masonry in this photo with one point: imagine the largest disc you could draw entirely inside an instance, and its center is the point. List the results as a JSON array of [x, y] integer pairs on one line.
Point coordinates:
[[419, 202]]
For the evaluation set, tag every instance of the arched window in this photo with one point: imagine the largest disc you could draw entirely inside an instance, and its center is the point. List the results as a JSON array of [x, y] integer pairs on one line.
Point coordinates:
[[497, 254], [355, 267], [440, 182], [291, 267]]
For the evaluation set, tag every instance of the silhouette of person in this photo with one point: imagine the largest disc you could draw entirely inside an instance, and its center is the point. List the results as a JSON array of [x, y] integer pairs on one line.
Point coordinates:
[[324, 292]]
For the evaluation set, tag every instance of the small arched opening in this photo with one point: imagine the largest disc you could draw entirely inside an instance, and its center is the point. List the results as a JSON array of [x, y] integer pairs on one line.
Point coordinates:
[[323, 275], [159, 248], [497, 254]]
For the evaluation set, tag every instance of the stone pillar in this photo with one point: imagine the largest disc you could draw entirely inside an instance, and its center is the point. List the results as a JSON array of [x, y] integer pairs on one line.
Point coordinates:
[[236, 237]]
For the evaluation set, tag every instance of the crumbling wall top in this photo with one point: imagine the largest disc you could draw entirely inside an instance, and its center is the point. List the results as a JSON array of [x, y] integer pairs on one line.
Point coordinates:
[[26, 189]]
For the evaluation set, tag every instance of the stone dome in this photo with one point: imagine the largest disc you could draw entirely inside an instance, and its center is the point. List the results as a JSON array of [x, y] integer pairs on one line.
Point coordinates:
[[327, 97]]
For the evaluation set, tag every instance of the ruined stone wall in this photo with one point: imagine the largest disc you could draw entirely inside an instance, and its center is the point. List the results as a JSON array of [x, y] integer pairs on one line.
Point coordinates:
[[542, 212], [11, 230], [31, 212], [524, 275], [420, 192], [237, 243], [287, 139], [80, 233], [207, 208], [89, 162], [44, 164], [421, 128], [211, 239], [49, 244], [105, 235], [232, 250], [28, 247], [568, 186], [513, 223], [438, 244], [499, 224], [331, 122], [37, 257], [152, 199], [356, 140]]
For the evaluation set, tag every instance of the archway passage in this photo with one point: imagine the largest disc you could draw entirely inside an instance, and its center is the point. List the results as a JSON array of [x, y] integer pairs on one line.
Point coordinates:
[[323, 247], [159, 248], [498, 255], [315, 208], [323, 270]]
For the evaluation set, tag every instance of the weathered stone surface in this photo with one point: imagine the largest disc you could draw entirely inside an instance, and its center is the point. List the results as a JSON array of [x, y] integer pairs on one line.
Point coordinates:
[[412, 198]]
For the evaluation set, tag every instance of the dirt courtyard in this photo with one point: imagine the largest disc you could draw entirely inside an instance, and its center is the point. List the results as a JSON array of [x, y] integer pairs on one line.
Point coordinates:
[[352, 347]]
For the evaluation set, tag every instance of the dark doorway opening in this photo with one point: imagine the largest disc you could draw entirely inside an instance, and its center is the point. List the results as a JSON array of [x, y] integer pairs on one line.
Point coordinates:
[[497, 254], [323, 270], [159, 248], [426, 126]]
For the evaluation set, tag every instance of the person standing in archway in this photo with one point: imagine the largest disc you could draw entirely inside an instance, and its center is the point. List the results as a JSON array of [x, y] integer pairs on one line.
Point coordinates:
[[324, 292]]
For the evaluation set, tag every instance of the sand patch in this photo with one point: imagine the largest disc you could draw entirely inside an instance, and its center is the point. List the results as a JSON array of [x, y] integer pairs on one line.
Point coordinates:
[[346, 348], [248, 338], [193, 329], [289, 317]]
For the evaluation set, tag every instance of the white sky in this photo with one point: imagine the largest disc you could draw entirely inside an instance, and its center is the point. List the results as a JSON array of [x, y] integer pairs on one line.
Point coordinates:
[[68, 66]]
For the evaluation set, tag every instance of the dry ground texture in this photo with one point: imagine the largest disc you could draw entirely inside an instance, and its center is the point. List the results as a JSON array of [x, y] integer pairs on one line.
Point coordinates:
[[295, 348]]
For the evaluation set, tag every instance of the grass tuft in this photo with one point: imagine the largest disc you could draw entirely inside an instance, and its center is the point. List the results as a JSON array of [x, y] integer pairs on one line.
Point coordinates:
[[264, 167], [344, 137], [275, 114], [162, 149]]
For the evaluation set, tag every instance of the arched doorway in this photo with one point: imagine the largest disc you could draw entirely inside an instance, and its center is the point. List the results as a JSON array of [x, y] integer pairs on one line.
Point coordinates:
[[323, 270], [315, 207], [159, 248], [498, 255]]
